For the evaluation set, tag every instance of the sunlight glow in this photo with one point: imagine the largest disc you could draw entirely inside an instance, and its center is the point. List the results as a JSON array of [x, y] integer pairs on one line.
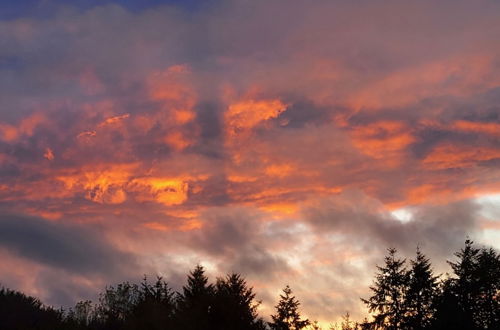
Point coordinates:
[[403, 214]]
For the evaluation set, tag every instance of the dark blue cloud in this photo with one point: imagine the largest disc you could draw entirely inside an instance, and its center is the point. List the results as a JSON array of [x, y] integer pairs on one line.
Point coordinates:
[[41, 9], [68, 247]]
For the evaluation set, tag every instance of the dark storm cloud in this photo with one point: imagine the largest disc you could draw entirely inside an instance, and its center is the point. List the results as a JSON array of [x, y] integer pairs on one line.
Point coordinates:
[[71, 248]]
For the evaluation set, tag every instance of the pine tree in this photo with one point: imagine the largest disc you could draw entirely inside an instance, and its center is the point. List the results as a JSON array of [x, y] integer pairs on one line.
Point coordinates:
[[287, 315], [347, 323], [195, 302], [487, 313], [465, 285], [471, 299], [234, 305], [421, 293], [387, 302]]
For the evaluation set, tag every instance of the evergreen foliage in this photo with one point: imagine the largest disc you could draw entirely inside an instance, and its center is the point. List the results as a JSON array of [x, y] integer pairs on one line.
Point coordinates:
[[20, 312], [287, 315], [194, 304], [389, 289], [420, 292]]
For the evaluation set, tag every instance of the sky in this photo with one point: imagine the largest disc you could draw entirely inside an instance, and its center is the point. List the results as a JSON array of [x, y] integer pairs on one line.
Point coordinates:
[[290, 141]]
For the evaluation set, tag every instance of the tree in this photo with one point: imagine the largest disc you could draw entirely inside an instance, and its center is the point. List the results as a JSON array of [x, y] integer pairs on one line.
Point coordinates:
[[287, 315], [194, 304], [465, 285], [116, 305], [471, 298], [347, 323], [155, 307], [448, 314], [20, 312], [421, 293], [387, 302], [234, 306], [83, 315], [487, 313]]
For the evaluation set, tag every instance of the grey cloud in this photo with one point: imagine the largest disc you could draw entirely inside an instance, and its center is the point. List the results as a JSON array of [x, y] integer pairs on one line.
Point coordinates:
[[239, 239], [72, 248], [438, 229]]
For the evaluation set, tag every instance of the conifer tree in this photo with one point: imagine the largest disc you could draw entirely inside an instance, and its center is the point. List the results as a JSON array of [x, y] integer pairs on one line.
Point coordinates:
[[234, 305], [347, 323], [420, 293], [387, 302], [287, 315], [471, 298], [195, 302], [465, 285], [487, 313]]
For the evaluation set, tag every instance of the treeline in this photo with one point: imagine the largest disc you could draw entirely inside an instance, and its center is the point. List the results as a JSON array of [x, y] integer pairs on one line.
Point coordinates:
[[405, 295], [413, 297]]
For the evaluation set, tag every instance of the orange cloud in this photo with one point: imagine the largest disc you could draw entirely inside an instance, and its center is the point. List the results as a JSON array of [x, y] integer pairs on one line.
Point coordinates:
[[244, 115], [477, 127], [11, 133], [171, 86], [177, 140], [49, 154], [184, 226], [279, 170], [166, 191], [101, 186], [453, 156], [114, 184], [87, 134], [113, 120], [8, 133], [384, 140], [469, 74]]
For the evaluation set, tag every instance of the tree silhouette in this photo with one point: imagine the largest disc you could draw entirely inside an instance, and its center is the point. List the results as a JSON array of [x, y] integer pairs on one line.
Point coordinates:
[[347, 323], [234, 306], [20, 312], [387, 302], [469, 299], [448, 314], [465, 285], [155, 307], [487, 313], [194, 304], [83, 315], [116, 304], [420, 293], [287, 315]]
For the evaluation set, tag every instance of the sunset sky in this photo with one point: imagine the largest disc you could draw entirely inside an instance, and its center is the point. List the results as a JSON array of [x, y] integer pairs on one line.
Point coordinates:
[[290, 141]]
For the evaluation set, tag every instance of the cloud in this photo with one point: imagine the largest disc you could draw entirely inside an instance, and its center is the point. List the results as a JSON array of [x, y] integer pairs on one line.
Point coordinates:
[[438, 229], [68, 247], [238, 238]]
